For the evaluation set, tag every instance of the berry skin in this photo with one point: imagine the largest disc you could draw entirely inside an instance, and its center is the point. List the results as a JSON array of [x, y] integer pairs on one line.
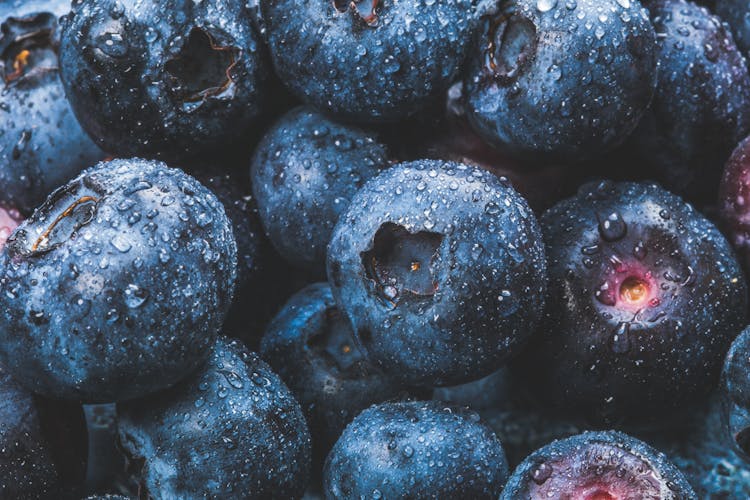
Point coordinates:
[[736, 393], [645, 296], [701, 109], [416, 450], [146, 82], [561, 80], [734, 13], [42, 145], [734, 201], [230, 430], [368, 60], [43, 445], [311, 346], [304, 172], [598, 466], [440, 268], [117, 285]]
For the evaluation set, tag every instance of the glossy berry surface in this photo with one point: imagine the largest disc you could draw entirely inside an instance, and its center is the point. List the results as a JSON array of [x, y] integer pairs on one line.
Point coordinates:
[[440, 269], [416, 450], [598, 466], [43, 445], [645, 296], [368, 60], [736, 393], [42, 145], [701, 109], [144, 81], [735, 13], [304, 173], [117, 285], [311, 346], [561, 80], [230, 429], [734, 201]]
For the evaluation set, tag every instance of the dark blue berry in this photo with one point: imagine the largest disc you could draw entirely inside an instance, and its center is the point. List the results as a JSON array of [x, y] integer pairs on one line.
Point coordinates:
[[311, 346], [304, 173], [734, 202], [598, 466], [368, 60], [736, 393], [230, 430], [416, 450], [41, 145], [701, 109], [559, 79], [42, 445], [167, 78], [117, 284], [645, 296], [735, 13], [440, 268]]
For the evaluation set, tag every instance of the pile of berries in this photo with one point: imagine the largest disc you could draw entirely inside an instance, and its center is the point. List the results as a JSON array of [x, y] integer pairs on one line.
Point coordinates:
[[382, 249]]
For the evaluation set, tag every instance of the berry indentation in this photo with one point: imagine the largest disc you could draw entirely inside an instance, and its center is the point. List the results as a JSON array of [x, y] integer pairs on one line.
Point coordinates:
[[634, 290], [511, 45], [335, 342], [27, 47], [366, 10], [203, 68], [400, 262]]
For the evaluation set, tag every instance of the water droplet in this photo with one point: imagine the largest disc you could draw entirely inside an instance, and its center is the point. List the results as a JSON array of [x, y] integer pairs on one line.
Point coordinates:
[[541, 473], [545, 5], [612, 227], [135, 296]]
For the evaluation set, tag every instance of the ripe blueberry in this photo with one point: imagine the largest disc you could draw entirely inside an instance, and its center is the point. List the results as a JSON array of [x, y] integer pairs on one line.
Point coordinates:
[[304, 173], [645, 296], [598, 466], [231, 429], [440, 269], [117, 285], [168, 78], [701, 109], [368, 60], [416, 450], [561, 80]]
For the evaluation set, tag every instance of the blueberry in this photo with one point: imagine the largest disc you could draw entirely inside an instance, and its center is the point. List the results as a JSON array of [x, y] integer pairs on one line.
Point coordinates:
[[734, 12], [169, 78], [645, 296], [311, 346], [598, 466], [368, 60], [42, 445], [736, 393], [117, 285], [561, 80], [734, 193], [440, 268], [42, 144], [701, 109], [304, 172], [232, 429], [416, 450]]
